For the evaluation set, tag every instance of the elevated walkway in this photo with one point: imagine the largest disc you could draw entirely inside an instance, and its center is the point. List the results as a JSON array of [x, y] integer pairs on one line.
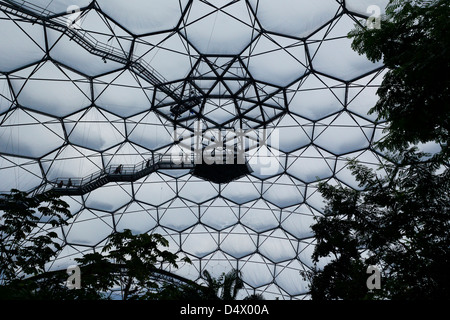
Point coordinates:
[[115, 173]]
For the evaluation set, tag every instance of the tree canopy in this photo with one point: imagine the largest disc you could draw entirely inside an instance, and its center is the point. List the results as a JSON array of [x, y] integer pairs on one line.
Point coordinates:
[[399, 218], [413, 42]]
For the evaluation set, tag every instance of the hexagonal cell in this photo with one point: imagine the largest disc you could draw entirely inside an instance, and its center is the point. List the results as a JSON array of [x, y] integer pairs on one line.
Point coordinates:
[[29, 134], [306, 249], [242, 190], [110, 197], [298, 221], [316, 97], [169, 56], [266, 162], [137, 217], [145, 16], [179, 215], [71, 162], [283, 191], [95, 129], [276, 60], [293, 17], [238, 241], [314, 198], [277, 246], [343, 133], [257, 271], [293, 133], [199, 241], [11, 168], [311, 164], [25, 44], [197, 190], [89, 228], [228, 28], [219, 214], [122, 93], [346, 64], [173, 237], [51, 89], [289, 278], [260, 216], [362, 95], [150, 131], [367, 158], [154, 190]]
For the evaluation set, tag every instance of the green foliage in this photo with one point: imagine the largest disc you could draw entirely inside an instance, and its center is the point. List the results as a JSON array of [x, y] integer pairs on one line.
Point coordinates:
[[399, 222], [128, 261], [413, 43], [24, 250]]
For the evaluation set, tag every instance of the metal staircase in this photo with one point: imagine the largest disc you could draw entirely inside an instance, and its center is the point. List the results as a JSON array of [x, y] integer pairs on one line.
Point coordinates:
[[35, 14], [114, 173]]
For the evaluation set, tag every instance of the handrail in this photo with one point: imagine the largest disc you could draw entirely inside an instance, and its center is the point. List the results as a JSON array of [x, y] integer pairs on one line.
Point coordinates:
[[111, 173]]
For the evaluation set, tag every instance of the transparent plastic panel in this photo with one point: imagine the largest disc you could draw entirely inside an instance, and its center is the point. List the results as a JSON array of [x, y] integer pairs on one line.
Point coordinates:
[[225, 31], [277, 60], [333, 54], [18, 173], [283, 191], [199, 241], [145, 16], [122, 94], [316, 97], [179, 215], [51, 89], [89, 228], [25, 44], [260, 216], [257, 271], [311, 164], [95, 129], [109, 198], [23, 133], [238, 241], [292, 17], [219, 214], [288, 278], [137, 217], [275, 246]]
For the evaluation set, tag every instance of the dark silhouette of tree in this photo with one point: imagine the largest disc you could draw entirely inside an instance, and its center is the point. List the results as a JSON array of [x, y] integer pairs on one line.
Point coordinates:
[[130, 262], [413, 43], [24, 250], [399, 221]]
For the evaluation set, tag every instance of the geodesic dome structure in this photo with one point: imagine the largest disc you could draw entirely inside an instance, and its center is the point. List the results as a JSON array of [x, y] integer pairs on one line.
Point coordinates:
[[87, 86]]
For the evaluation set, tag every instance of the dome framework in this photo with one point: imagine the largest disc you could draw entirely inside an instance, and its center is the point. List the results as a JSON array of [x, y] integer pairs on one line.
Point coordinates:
[[87, 86]]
